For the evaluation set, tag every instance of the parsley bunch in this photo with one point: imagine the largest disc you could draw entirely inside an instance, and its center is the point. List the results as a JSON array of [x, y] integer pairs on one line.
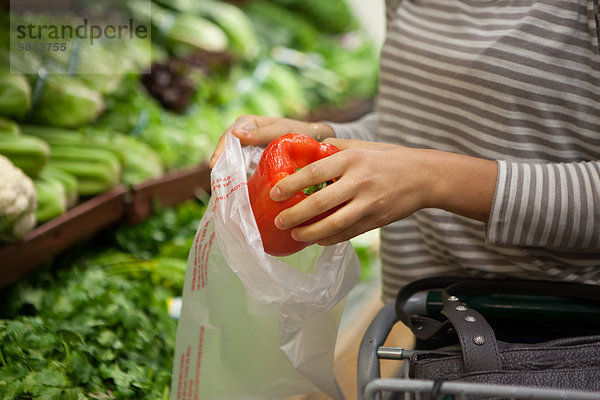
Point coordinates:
[[97, 327], [92, 335]]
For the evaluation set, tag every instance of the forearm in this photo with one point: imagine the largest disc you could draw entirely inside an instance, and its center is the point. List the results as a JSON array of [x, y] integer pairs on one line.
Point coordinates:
[[366, 128], [460, 184], [553, 205]]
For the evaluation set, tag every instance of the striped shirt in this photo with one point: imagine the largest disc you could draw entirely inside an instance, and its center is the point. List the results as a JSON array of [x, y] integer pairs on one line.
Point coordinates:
[[516, 81]]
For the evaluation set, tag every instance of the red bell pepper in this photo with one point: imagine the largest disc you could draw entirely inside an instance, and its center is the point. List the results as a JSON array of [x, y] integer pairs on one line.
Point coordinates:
[[283, 157]]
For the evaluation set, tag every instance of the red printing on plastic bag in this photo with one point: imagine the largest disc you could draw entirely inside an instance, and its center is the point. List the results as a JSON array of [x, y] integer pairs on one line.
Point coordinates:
[[184, 384], [202, 247], [222, 183]]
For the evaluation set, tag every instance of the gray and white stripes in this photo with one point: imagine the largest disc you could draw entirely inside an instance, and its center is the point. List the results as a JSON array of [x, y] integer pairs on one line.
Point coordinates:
[[516, 81], [547, 205]]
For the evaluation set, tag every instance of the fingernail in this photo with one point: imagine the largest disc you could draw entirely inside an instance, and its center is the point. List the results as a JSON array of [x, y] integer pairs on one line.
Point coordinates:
[[279, 222], [294, 235], [275, 193]]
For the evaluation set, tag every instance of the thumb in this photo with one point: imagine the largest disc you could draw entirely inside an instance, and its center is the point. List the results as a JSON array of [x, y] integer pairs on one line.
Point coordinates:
[[247, 136], [260, 136]]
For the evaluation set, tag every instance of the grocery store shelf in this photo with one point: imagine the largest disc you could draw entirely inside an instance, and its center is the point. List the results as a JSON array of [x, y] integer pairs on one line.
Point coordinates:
[[122, 203], [168, 190], [57, 235]]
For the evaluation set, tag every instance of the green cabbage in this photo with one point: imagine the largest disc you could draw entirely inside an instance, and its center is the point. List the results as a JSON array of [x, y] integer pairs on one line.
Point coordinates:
[[67, 103]]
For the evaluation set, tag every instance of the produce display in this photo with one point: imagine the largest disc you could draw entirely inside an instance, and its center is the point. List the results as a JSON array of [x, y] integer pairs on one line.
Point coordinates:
[[93, 323], [15, 94], [126, 111], [283, 157], [17, 202]]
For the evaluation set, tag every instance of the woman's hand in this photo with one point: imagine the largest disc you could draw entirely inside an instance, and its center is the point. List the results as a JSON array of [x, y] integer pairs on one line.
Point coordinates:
[[376, 184], [260, 131]]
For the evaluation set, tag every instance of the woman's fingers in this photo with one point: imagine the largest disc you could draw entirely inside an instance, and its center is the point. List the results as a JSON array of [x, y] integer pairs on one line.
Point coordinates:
[[361, 193], [254, 130], [361, 226], [316, 204], [267, 131], [217, 152], [248, 137], [320, 171], [241, 128], [347, 222]]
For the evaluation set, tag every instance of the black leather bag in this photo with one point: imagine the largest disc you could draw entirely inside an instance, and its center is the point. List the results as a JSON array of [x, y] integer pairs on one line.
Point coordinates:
[[507, 345]]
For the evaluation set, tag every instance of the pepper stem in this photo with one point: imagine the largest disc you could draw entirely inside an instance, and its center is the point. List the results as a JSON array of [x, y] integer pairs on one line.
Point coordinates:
[[314, 188]]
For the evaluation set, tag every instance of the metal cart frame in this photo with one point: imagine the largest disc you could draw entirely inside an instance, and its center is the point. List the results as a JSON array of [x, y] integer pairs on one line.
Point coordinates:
[[371, 386]]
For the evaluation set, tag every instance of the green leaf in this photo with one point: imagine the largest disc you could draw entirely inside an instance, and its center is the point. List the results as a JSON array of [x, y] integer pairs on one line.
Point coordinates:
[[81, 369], [47, 377], [35, 297], [50, 393], [14, 389], [106, 338], [63, 305]]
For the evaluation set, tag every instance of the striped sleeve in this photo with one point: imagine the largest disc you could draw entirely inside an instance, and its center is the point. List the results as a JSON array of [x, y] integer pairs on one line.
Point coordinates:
[[364, 129], [554, 205]]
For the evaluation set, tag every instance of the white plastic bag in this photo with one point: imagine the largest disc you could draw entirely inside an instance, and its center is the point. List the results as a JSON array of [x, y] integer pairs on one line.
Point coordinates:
[[254, 326]]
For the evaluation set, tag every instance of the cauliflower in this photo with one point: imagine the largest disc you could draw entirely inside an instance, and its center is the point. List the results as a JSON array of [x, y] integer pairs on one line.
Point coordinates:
[[18, 201]]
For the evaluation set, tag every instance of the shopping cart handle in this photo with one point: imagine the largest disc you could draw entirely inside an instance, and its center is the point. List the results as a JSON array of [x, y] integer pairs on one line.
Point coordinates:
[[375, 336]]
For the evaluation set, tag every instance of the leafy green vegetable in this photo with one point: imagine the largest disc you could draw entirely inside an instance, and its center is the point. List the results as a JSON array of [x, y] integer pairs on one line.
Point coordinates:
[[356, 61], [15, 94], [139, 161], [95, 325], [68, 181], [235, 23], [8, 126], [172, 228], [92, 332], [286, 85], [181, 32], [334, 60], [66, 102], [279, 26], [178, 140], [331, 16], [26, 152], [51, 198], [98, 67]]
